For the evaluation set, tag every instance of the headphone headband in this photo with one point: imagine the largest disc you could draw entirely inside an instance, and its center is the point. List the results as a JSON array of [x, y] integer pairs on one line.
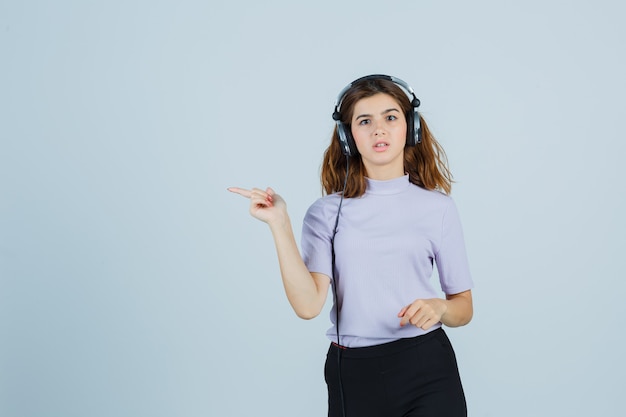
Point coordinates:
[[406, 87]]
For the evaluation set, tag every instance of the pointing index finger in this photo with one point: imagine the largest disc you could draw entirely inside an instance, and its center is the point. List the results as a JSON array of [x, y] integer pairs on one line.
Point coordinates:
[[241, 191]]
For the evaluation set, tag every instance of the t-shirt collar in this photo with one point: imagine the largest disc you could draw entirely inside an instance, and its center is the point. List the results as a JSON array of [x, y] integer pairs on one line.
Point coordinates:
[[393, 186]]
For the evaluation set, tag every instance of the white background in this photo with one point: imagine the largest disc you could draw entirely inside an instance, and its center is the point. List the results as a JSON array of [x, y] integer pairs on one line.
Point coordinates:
[[133, 284]]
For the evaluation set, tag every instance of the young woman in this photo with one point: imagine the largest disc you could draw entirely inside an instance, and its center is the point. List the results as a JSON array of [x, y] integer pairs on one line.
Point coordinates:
[[385, 221]]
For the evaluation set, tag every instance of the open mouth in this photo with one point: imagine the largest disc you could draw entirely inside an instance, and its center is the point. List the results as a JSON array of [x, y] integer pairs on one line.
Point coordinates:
[[381, 145]]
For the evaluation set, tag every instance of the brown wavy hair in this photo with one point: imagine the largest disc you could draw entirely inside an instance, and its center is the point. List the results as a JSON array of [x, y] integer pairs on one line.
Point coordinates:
[[426, 163]]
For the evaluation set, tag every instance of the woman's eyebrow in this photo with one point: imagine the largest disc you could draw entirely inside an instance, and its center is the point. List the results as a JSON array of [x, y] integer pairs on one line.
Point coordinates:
[[390, 110], [383, 112]]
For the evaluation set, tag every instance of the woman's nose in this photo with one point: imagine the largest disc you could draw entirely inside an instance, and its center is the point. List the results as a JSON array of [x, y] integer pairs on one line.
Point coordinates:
[[378, 130]]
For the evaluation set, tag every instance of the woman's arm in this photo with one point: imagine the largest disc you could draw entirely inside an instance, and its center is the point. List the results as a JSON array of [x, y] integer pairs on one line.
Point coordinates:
[[305, 291], [456, 310]]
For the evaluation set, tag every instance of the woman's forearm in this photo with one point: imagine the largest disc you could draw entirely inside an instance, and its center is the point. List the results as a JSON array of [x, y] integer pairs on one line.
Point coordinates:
[[305, 292], [459, 309]]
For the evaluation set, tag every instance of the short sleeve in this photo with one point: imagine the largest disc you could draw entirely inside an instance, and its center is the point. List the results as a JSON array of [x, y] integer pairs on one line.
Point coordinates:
[[316, 237], [451, 257]]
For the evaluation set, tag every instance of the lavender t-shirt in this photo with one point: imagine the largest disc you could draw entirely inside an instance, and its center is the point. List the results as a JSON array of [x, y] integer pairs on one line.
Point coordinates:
[[386, 243]]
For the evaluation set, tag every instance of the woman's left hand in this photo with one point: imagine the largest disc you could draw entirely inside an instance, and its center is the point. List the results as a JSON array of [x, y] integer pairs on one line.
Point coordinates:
[[423, 313]]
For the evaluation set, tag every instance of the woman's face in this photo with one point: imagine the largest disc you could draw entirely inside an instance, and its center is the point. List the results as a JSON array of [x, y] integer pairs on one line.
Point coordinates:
[[379, 131]]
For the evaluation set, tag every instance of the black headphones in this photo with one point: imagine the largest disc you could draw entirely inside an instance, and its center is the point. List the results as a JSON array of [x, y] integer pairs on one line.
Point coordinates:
[[414, 129]]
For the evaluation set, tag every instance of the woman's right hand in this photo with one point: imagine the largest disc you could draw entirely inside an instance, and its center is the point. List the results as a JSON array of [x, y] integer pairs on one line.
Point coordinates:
[[266, 206]]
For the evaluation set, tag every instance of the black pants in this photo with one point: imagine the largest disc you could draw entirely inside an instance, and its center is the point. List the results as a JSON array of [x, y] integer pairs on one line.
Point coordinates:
[[416, 377]]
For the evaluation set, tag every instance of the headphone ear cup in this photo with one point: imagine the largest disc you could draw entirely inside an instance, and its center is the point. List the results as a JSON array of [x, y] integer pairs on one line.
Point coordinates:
[[414, 128], [417, 126], [346, 141]]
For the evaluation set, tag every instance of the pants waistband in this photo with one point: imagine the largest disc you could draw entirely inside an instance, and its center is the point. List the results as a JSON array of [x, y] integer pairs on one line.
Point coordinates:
[[385, 348]]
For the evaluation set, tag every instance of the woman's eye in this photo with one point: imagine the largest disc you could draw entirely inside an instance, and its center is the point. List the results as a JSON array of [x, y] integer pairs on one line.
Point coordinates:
[[391, 117], [364, 122]]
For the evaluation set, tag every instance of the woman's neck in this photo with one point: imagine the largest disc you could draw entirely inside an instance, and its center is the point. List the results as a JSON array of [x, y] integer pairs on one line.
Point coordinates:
[[384, 173]]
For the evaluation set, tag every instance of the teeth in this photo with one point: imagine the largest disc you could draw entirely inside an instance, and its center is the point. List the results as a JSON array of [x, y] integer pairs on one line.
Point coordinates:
[[380, 145]]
